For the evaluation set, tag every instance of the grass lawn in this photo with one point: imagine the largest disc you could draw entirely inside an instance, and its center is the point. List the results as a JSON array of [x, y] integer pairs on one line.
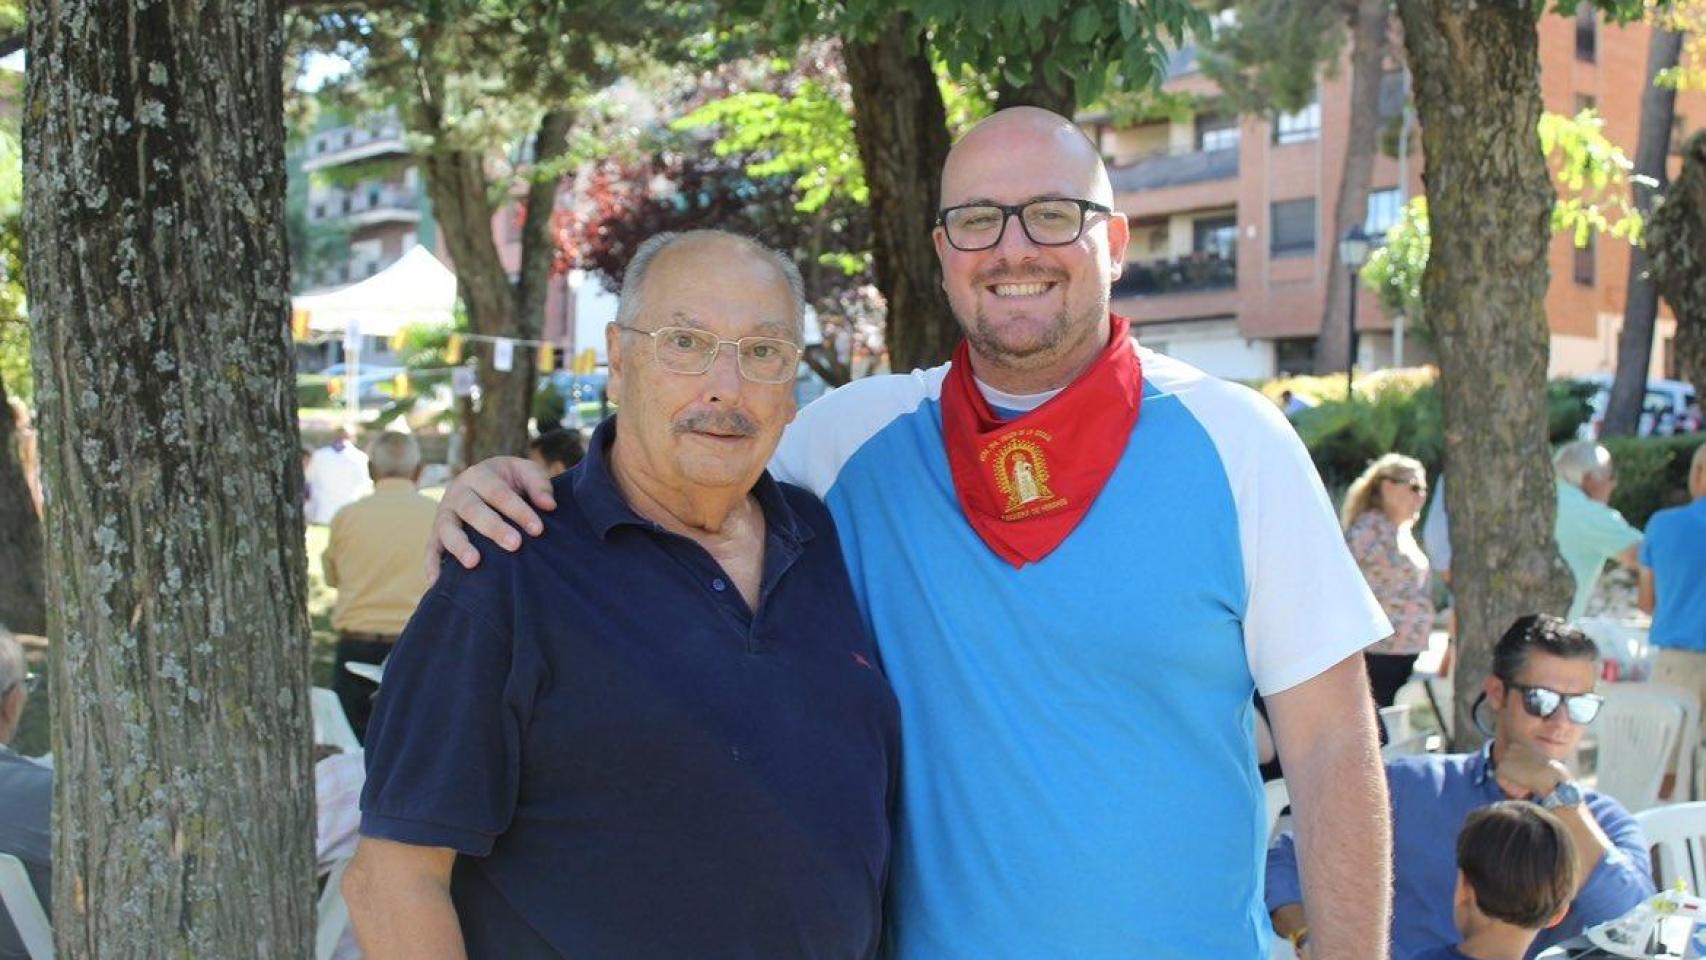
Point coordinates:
[[33, 739]]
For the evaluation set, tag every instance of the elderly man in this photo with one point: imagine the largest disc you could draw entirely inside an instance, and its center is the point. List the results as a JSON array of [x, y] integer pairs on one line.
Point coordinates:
[[26, 792], [1673, 585], [1541, 698], [1079, 558], [663, 733], [1588, 531], [371, 559]]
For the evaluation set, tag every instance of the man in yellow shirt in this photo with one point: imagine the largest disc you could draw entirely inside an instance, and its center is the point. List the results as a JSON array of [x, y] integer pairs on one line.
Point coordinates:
[[373, 559]]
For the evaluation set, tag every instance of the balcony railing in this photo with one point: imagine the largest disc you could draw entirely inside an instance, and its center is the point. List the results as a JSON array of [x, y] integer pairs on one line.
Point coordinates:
[[1200, 272], [368, 206], [1174, 169], [330, 148]]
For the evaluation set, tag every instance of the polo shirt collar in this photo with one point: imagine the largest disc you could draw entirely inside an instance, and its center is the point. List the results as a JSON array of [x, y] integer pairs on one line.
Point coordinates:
[[393, 485], [601, 502], [1481, 766]]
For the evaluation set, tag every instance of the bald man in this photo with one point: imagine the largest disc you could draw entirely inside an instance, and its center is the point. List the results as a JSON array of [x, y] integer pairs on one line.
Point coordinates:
[[1078, 558]]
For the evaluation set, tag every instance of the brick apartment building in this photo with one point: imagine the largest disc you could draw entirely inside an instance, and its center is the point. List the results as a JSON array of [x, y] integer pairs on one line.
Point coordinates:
[[1231, 216]]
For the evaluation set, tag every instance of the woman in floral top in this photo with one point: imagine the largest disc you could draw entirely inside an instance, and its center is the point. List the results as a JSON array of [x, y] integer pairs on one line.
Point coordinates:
[[1380, 511]]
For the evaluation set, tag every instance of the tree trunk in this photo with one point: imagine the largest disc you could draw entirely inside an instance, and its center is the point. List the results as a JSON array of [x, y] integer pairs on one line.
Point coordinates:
[[1368, 28], [1641, 307], [1477, 83], [902, 130], [1048, 87], [1676, 243], [159, 300], [23, 594]]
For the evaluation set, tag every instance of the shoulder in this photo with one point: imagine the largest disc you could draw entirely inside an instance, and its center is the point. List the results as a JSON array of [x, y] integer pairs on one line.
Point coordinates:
[[831, 429], [1610, 813], [1426, 772], [1248, 431]]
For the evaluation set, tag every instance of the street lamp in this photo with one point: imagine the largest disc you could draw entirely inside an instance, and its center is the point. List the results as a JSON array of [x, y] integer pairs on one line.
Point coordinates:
[[1353, 252]]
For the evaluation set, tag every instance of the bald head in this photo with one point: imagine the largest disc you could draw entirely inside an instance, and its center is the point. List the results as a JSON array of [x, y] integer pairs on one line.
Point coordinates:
[[1030, 133]]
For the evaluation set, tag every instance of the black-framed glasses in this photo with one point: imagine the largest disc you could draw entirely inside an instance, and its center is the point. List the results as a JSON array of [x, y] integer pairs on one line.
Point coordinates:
[[1049, 222], [1543, 702], [691, 351]]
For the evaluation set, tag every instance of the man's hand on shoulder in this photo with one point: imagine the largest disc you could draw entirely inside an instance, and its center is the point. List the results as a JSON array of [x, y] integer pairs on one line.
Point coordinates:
[[1526, 772], [488, 497]]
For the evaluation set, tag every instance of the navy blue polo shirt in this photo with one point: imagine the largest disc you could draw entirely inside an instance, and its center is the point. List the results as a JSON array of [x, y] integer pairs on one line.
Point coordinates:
[[629, 762]]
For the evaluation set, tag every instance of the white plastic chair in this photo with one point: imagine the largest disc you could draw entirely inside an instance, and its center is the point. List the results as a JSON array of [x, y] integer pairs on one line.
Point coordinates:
[[1676, 835], [1413, 745], [1637, 730], [333, 914], [1395, 720], [19, 899], [1276, 797], [331, 724], [1688, 744]]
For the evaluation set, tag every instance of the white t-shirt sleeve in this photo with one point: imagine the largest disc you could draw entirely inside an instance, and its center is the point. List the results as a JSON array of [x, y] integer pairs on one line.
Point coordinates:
[[834, 426]]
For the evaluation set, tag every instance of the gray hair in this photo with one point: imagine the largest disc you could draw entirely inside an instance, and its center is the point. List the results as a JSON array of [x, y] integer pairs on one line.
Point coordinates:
[[634, 279], [11, 661], [1580, 459], [394, 454]]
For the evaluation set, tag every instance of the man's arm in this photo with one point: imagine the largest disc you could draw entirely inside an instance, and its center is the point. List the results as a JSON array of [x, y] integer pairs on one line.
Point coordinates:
[[1324, 728], [329, 558], [1631, 556], [1647, 594], [487, 497], [399, 902]]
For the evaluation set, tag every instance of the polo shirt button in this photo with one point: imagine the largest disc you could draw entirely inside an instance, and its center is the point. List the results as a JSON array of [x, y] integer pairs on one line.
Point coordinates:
[[719, 585], [735, 752]]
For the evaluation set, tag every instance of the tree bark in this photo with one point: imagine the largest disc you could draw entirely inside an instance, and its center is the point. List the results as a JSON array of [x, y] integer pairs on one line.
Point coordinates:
[[1676, 243], [1368, 26], [1641, 306], [1477, 83], [902, 130], [497, 307], [23, 593], [158, 272]]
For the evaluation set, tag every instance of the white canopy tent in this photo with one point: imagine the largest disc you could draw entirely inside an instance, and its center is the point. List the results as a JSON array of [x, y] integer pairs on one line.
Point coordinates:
[[415, 290]]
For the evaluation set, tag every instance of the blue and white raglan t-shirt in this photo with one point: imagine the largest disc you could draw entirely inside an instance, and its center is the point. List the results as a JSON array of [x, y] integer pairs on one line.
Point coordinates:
[[1079, 775]]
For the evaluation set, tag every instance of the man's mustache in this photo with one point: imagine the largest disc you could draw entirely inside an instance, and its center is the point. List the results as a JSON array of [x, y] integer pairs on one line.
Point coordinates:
[[731, 423]]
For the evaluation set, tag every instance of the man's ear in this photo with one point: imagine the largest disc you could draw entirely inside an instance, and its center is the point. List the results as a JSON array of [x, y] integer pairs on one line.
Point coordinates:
[[1119, 237], [1495, 688], [613, 350], [1558, 917]]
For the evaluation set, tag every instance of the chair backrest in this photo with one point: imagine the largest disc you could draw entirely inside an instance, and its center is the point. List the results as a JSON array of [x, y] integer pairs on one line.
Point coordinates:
[[331, 724], [1688, 744], [1676, 835], [1410, 746], [333, 914], [19, 899], [1276, 796], [1395, 720], [1637, 730]]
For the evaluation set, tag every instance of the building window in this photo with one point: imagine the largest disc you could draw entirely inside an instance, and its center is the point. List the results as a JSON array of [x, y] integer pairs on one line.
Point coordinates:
[[1216, 235], [1385, 207], [1393, 92], [349, 137], [1583, 269], [1586, 101], [319, 144], [1292, 228], [373, 196], [1294, 355], [1587, 34], [1678, 133], [1217, 133], [345, 203], [1300, 126], [319, 211]]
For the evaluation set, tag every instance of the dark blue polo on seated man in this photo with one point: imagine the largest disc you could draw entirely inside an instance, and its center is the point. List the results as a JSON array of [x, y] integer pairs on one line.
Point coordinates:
[[632, 765], [632, 753]]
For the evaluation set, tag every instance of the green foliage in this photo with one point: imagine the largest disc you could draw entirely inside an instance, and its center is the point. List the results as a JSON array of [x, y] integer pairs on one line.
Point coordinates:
[[1397, 412], [1268, 56], [1652, 473], [15, 371], [807, 135], [1593, 177]]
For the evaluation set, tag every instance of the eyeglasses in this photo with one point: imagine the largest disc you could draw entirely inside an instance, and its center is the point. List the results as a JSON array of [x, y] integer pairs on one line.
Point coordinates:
[[1052, 222], [690, 351], [1543, 702]]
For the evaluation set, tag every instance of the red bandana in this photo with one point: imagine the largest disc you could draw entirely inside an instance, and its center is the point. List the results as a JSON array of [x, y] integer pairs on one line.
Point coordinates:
[[1024, 484]]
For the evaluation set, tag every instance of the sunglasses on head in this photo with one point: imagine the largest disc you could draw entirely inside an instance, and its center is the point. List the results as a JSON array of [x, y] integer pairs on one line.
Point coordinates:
[[1543, 702]]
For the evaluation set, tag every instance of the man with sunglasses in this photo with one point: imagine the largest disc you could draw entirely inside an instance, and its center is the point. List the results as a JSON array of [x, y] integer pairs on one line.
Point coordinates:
[[26, 792], [1540, 699], [1079, 560]]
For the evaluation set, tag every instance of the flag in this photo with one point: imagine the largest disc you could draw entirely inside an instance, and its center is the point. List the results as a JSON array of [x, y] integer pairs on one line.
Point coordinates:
[[299, 325], [503, 355], [453, 350], [547, 358]]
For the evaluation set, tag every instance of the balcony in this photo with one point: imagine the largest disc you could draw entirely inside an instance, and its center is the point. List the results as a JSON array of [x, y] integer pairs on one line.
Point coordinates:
[[1198, 273], [331, 148], [1175, 169], [366, 207]]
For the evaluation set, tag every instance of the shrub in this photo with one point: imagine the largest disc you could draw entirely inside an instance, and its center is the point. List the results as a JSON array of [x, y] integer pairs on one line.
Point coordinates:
[[1652, 473]]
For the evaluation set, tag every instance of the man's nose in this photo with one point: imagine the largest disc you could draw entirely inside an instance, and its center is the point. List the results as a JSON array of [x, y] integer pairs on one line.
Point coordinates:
[[1015, 242], [723, 381]]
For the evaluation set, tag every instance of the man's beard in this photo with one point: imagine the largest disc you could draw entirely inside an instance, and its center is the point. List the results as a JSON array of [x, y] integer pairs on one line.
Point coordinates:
[[1062, 329]]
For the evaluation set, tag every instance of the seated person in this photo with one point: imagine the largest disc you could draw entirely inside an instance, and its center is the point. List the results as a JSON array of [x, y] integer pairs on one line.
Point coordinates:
[[1516, 871], [1541, 697], [26, 793]]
